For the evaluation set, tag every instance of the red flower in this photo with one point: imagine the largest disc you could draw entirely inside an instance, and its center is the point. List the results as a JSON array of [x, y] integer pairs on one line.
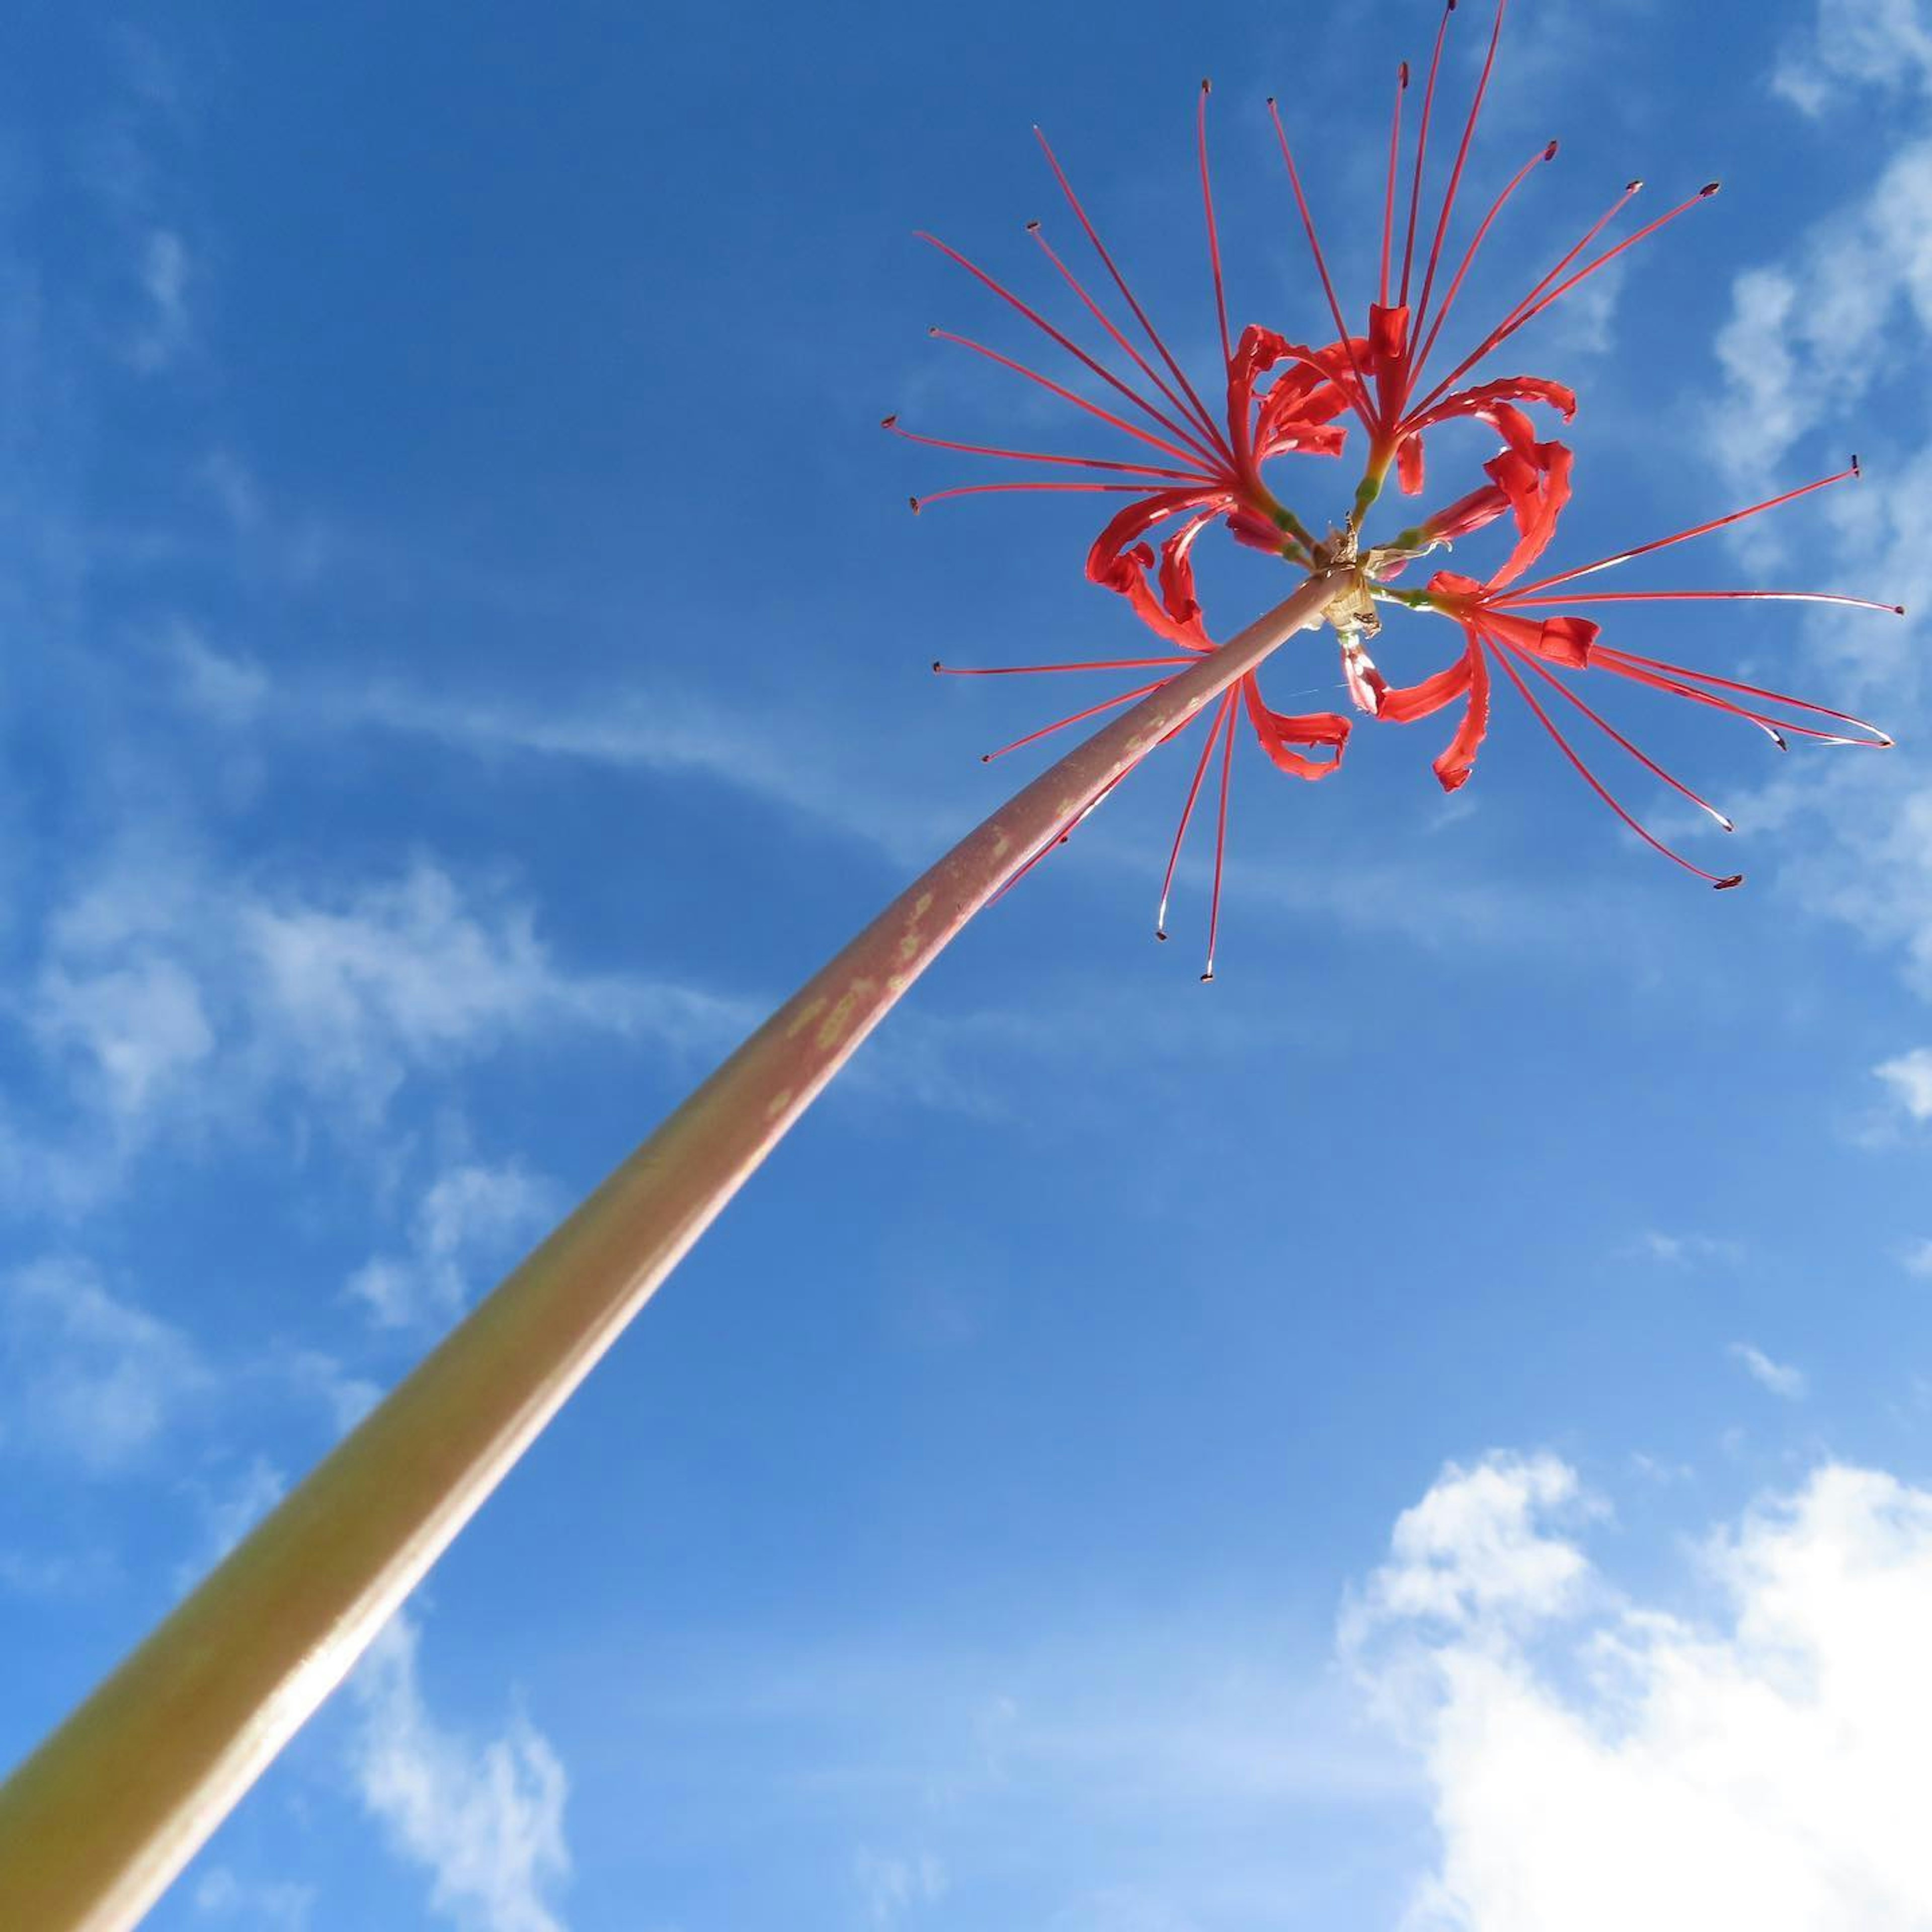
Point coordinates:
[[1506, 626], [1277, 398]]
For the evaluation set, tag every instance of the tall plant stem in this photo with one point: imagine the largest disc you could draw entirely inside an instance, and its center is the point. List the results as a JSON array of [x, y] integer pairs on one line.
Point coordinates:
[[95, 1824]]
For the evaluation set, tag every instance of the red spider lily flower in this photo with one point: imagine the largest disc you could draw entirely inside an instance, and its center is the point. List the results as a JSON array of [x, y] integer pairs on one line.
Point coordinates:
[[1506, 627], [1277, 397], [1384, 383]]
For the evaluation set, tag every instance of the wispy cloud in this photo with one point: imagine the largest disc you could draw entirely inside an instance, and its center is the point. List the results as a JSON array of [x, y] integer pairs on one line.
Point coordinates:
[[1917, 1259], [891, 1885], [1598, 1763], [1822, 337], [174, 994], [1780, 1377], [664, 729], [95, 1379], [484, 1820], [273, 1906], [1686, 1250], [1910, 1078], [474, 1217], [165, 274], [1855, 46]]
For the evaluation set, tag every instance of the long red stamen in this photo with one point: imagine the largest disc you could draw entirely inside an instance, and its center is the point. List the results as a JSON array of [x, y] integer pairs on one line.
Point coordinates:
[[1185, 431], [1596, 784], [892, 423], [1422, 150], [1455, 172], [1631, 190], [1220, 848], [1773, 728], [1040, 322], [1681, 536], [1629, 663], [1490, 341], [919, 503], [1213, 234], [1388, 200], [1180, 375], [1061, 724], [1027, 670], [1221, 714], [1065, 393], [1521, 174], [1706, 596], [1602, 261], [1359, 401], [1642, 757]]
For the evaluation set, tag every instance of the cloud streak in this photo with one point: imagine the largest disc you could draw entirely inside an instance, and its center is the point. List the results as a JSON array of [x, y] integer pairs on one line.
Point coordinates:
[[1779, 1378], [485, 1821]]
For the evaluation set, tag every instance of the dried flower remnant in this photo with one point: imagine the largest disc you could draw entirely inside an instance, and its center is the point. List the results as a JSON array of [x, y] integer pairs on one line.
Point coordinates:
[[1277, 398]]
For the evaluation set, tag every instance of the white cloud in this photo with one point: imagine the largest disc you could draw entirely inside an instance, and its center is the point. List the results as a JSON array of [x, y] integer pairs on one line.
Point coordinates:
[[1778, 1377], [142, 1025], [1909, 1077], [230, 690], [345, 1397], [486, 1821], [473, 1217], [892, 1886], [93, 1379], [165, 274], [1758, 1764], [1824, 352], [1473, 1551], [1687, 1250], [1809, 336], [275, 1906], [665, 731], [1885, 45], [159, 970], [1918, 1259], [61, 1575]]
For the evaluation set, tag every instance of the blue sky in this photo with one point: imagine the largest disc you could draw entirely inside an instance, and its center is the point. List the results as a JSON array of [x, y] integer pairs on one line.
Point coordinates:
[[1429, 1432]]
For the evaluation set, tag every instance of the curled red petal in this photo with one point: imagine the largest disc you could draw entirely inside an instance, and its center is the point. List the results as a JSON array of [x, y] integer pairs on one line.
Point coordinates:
[[1483, 399], [1537, 483], [1468, 679], [1176, 580], [1318, 385], [1111, 561], [1279, 735], [1454, 765], [1404, 703]]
